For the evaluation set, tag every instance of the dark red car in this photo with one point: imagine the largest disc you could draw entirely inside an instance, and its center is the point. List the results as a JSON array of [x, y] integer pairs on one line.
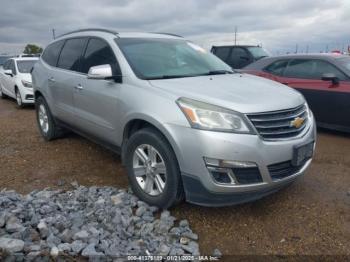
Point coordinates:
[[324, 80]]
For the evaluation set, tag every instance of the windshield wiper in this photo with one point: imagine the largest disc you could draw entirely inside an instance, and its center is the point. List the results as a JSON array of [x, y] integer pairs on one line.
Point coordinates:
[[219, 72], [168, 77]]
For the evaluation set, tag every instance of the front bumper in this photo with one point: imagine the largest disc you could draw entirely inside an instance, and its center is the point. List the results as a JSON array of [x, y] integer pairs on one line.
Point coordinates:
[[192, 145], [27, 95]]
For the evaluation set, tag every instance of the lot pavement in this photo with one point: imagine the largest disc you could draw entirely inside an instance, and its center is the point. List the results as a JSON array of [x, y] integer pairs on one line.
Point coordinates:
[[312, 216]]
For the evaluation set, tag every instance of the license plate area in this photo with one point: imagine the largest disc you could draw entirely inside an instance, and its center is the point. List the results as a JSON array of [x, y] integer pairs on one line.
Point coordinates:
[[302, 153]]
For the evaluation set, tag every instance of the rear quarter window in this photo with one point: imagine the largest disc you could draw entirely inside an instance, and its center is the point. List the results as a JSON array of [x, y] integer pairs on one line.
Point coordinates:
[[277, 67], [222, 52], [51, 53]]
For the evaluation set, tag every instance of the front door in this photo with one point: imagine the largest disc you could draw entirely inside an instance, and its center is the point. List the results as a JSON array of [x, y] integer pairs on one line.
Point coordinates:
[[96, 101]]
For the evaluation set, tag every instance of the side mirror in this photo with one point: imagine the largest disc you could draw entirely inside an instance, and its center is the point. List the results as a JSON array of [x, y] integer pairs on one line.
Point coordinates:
[[100, 72], [8, 72], [330, 77]]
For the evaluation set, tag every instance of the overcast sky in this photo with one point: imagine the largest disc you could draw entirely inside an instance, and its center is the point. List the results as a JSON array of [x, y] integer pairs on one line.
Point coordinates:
[[276, 24]]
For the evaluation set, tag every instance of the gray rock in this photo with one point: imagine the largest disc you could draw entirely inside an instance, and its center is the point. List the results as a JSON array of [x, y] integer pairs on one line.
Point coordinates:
[[11, 245], [163, 250], [64, 247], [116, 200], [52, 240], [2, 219], [140, 211], [13, 225], [191, 248], [190, 235], [184, 223], [35, 248], [66, 235], [54, 251], [77, 246], [217, 253], [43, 229], [90, 251], [81, 235]]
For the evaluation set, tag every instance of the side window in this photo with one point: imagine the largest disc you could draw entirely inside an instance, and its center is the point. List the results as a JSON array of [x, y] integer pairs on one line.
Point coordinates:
[[222, 52], [323, 67], [52, 52], [71, 53], [277, 67], [12, 67], [300, 68], [98, 52], [239, 58]]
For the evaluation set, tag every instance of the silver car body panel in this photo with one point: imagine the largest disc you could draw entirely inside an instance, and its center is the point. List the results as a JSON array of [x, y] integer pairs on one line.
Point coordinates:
[[103, 108]]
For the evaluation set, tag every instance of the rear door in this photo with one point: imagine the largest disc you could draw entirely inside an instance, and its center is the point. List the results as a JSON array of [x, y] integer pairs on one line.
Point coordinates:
[[96, 101], [66, 78], [329, 103], [9, 81]]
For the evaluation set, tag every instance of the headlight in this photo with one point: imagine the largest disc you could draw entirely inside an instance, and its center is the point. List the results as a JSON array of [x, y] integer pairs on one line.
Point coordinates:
[[27, 84], [308, 110], [209, 117]]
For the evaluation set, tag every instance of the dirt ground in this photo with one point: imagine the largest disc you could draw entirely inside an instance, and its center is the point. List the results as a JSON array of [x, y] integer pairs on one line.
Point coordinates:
[[311, 217]]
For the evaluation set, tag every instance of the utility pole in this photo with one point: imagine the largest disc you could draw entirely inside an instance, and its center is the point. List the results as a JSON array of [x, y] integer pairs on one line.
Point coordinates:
[[235, 35], [296, 48], [326, 48], [53, 33]]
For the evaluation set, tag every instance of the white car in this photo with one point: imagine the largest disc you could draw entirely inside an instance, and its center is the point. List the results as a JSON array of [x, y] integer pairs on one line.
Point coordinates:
[[16, 80]]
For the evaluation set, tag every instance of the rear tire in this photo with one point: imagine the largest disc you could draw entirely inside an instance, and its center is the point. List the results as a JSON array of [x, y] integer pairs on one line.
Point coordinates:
[[153, 170], [46, 122], [2, 95]]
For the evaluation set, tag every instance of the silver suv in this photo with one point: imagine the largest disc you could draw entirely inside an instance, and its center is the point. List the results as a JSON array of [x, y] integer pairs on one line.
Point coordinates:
[[185, 124]]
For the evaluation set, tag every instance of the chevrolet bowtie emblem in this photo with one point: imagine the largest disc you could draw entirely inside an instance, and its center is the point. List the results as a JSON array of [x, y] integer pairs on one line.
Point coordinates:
[[297, 122]]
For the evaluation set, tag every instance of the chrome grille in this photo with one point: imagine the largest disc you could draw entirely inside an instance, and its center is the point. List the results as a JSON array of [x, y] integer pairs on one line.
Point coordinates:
[[277, 124]]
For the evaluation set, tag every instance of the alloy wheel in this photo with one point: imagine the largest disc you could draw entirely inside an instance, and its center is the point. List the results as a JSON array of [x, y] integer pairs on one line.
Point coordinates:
[[43, 119], [18, 98], [149, 169]]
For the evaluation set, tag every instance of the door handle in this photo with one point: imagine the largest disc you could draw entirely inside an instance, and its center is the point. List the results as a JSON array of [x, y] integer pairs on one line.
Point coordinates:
[[51, 79], [79, 87]]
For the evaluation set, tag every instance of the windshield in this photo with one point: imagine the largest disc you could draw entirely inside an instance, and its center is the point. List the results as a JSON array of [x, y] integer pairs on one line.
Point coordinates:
[[258, 52], [25, 67], [168, 58], [345, 62]]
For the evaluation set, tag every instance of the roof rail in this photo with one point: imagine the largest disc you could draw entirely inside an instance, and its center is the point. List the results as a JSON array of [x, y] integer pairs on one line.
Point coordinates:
[[162, 33], [90, 29]]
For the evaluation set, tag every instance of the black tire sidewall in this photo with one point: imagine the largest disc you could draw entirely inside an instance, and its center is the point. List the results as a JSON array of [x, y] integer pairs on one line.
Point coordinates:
[[155, 139]]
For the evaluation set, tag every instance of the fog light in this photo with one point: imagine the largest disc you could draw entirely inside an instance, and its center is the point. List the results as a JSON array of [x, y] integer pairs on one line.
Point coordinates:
[[228, 163], [222, 175]]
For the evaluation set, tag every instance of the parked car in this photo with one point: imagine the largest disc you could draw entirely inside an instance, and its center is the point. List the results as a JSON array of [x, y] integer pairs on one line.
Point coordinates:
[[185, 124], [16, 80], [324, 80], [239, 56]]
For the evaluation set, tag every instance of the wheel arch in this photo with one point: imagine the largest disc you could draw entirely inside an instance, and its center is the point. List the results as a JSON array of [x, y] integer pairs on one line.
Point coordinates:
[[138, 123]]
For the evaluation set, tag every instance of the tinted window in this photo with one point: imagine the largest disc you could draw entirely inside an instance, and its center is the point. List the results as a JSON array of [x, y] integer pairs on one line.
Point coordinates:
[[311, 69], [12, 67], [326, 67], [52, 52], [98, 52], [277, 68], [6, 65], [258, 52], [71, 53], [238, 58], [25, 66], [222, 52]]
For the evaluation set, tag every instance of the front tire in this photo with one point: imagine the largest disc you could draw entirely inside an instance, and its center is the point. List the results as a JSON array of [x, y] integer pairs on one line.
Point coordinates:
[[46, 122], [153, 170], [19, 99]]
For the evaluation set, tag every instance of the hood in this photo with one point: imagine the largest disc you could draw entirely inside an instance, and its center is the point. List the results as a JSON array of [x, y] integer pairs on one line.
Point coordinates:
[[26, 77], [240, 92]]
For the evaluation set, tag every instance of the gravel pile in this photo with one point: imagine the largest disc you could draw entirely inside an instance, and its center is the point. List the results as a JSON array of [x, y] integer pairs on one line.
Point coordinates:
[[92, 222]]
